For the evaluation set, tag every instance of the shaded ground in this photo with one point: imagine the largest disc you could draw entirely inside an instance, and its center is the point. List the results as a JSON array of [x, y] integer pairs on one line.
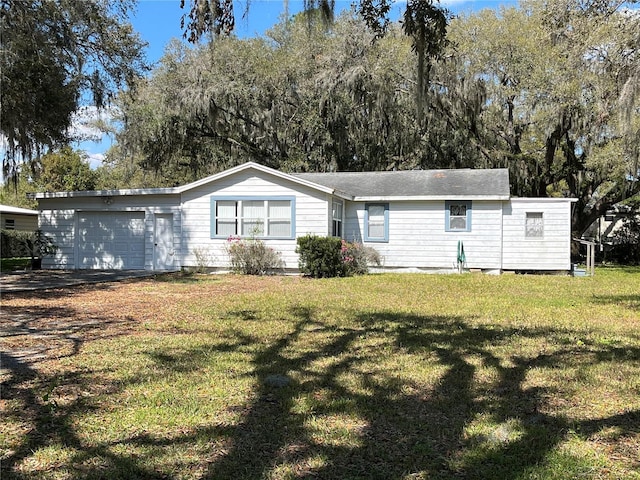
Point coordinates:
[[20, 281]]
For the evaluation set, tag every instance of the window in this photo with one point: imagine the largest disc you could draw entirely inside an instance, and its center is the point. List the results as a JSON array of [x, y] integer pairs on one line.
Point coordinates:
[[376, 222], [534, 225], [336, 213], [249, 216], [9, 224], [457, 216]]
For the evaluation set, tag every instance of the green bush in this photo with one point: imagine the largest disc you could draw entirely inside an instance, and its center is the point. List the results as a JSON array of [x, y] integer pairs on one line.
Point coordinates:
[[320, 257], [252, 257], [357, 258], [35, 245], [13, 243], [333, 257]]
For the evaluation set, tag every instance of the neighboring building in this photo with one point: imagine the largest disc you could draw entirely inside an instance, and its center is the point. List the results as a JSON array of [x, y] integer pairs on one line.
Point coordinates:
[[415, 219], [603, 230], [15, 218]]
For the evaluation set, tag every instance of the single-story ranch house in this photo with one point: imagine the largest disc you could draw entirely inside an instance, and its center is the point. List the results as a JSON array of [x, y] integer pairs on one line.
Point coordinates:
[[415, 219]]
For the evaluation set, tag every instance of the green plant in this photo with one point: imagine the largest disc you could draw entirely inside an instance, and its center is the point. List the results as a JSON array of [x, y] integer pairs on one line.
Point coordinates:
[[251, 256], [357, 258], [35, 245], [321, 257], [626, 242], [12, 243]]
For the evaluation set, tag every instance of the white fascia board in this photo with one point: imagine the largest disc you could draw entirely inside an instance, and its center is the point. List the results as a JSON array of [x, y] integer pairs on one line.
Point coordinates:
[[17, 210], [107, 193], [423, 198], [544, 199], [261, 168]]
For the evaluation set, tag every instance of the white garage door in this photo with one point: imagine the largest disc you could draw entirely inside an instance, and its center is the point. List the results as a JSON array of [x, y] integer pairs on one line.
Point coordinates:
[[111, 240]]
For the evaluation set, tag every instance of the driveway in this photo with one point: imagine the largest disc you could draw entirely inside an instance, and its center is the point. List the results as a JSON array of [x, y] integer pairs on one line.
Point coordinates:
[[22, 281]]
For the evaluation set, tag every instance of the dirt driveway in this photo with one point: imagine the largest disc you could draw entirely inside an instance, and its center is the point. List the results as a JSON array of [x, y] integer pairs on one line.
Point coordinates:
[[47, 318], [48, 279]]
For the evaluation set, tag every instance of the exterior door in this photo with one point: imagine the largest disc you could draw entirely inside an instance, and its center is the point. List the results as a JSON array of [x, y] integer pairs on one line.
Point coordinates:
[[163, 250]]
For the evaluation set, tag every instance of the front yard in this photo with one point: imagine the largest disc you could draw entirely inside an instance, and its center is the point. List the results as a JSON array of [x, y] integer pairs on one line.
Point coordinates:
[[382, 376]]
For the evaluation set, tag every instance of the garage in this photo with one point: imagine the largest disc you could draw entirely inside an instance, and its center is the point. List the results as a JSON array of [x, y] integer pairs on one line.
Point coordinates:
[[111, 240]]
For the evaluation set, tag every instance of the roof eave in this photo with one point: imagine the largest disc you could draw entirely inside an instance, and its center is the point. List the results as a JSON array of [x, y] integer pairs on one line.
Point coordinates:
[[255, 166], [424, 198], [107, 193]]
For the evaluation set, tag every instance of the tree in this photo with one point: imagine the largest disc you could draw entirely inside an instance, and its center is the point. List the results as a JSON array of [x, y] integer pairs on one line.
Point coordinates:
[[17, 192], [553, 73], [64, 170], [304, 98], [426, 25], [55, 55], [424, 22]]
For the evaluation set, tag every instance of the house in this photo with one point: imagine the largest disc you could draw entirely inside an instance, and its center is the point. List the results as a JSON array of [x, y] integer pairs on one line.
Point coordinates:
[[415, 219], [15, 218]]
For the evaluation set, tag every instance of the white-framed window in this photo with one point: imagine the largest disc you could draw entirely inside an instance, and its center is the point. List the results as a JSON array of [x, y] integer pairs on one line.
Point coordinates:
[[376, 222], [9, 224], [336, 218], [534, 225], [458, 216], [269, 217]]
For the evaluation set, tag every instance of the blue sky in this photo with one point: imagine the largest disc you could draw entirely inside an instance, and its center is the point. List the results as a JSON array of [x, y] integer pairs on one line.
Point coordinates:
[[158, 21]]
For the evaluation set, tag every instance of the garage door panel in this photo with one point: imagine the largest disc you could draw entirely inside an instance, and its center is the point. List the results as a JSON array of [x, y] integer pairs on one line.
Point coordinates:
[[111, 240]]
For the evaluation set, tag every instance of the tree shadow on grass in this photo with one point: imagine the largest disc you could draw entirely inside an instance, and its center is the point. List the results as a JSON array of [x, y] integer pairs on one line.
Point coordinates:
[[32, 336], [361, 417], [406, 430]]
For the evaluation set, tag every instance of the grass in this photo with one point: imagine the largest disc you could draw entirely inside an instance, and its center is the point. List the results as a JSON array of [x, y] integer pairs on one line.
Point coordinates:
[[391, 377], [11, 264]]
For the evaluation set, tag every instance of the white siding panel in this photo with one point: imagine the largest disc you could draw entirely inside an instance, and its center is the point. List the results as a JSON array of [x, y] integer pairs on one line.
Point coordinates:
[[417, 236], [27, 223], [311, 215], [59, 220], [552, 251], [59, 226]]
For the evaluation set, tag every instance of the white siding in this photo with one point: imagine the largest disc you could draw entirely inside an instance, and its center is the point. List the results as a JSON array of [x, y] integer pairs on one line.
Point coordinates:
[[312, 214], [27, 223], [417, 236], [552, 251], [59, 220], [59, 225]]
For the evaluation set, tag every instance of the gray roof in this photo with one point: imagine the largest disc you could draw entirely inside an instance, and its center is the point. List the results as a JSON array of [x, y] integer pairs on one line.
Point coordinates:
[[460, 183]]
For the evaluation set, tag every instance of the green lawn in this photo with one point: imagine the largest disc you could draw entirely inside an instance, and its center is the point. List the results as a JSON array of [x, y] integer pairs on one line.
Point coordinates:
[[391, 377], [10, 264]]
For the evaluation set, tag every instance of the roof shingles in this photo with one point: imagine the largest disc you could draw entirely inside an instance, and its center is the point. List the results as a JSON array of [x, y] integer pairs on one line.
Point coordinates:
[[416, 183]]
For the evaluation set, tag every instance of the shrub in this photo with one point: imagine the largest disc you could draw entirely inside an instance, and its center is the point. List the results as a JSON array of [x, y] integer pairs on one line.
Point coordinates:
[[320, 257], [357, 258], [12, 243], [252, 257], [204, 259], [332, 257], [18, 243]]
